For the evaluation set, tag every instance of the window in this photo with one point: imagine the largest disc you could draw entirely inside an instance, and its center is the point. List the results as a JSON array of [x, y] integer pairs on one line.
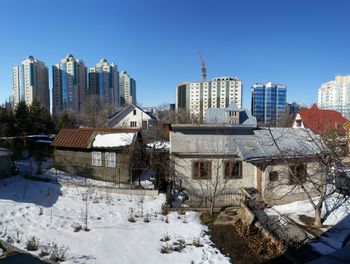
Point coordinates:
[[134, 112], [96, 158], [201, 169], [110, 159], [297, 174], [273, 176], [133, 124], [298, 123], [233, 169]]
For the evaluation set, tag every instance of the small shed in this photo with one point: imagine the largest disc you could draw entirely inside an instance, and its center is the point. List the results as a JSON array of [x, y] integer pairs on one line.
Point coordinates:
[[101, 154]]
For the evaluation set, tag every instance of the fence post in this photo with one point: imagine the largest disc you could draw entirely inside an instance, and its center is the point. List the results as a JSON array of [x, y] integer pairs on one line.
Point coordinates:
[[119, 176]]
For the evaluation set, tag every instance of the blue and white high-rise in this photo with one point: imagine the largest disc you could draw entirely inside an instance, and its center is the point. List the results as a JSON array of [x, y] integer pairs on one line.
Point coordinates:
[[31, 82], [269, 103], [69, 84], [104, 81], [127, 90]]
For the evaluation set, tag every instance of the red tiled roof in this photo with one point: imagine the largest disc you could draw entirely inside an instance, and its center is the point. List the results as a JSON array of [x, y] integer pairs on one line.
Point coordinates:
[[319, 120], [81, 138]]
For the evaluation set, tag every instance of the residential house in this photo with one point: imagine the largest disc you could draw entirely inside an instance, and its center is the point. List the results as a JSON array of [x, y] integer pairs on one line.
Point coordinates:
[[232, 115], [98, 153], [320, 120], [6, 164], [131, 116], [232, 157]]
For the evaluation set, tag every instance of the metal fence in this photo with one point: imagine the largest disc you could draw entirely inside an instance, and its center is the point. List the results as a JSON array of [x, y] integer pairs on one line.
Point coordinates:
[[222, 200], [82, 176]]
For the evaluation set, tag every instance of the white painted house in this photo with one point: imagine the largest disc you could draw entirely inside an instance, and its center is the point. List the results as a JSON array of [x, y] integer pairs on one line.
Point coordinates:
[[131, 116]]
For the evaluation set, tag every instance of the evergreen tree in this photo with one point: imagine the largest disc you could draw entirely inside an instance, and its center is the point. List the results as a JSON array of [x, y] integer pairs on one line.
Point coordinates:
[[7, 122], [22, 119]]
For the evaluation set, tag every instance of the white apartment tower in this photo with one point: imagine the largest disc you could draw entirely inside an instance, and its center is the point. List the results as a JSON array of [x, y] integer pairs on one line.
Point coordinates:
[[69, 84], [127, 89], [104, 81], [196, 97], [31, 82], [335, 95]]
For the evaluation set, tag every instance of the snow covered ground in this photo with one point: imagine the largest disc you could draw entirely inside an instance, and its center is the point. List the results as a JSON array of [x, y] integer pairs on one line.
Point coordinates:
[[112, 237], [337, 209]]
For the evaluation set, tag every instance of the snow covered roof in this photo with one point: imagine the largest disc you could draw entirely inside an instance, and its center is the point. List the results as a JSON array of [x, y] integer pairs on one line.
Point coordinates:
[[113, 140], [159, 145], [83, 138]]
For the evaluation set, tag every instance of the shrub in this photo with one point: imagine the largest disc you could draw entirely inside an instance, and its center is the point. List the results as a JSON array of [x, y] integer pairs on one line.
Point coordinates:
[[146, 219], [57, 253], [181, 210], [77, 227], [197, 242], [32, 244], [179, 245], [131, 217], [165, 238], [165, 209], [44, 251], [165, 249]]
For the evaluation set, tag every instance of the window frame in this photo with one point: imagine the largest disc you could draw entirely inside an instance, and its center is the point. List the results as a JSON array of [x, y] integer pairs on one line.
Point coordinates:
[[293, 170], [96, 161], [200, 164], [231, 164], [272, 177], [110, 159], [133, 123]]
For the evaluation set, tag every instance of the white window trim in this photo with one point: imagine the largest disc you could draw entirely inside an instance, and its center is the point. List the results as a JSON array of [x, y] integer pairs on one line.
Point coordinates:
[[96, 158], [110, 159]]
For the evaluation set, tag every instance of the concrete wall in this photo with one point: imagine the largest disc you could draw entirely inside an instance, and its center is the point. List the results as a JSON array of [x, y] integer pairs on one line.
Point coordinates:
[[80, 163], [183, 170]]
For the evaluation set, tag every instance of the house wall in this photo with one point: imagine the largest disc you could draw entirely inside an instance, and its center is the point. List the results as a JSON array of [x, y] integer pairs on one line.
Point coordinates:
[[280, 191], [80, 163], [138, 118], [183, 171]]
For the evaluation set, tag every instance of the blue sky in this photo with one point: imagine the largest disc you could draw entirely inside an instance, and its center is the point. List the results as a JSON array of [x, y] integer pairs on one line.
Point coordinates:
[[300, 43]]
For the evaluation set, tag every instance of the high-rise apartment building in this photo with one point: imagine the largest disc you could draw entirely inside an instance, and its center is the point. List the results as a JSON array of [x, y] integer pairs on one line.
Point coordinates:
[[104, 81], [196, 97], [269, 103], [127, 89], [69, 84], [335, 95], [31, 82]]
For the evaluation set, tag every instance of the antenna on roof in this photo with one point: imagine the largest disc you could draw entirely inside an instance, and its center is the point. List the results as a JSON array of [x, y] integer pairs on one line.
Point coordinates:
[[204, 68]]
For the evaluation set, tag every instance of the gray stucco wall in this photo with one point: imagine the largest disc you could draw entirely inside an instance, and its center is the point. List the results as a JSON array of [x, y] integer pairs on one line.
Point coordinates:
[[281, 191], [182, 169]]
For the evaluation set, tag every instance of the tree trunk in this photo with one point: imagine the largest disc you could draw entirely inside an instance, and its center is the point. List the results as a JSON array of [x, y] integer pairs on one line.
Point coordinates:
[[318, 220], [212, 206]]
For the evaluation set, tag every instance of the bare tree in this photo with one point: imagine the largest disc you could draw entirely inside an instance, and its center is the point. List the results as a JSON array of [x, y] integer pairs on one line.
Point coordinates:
[[211, 171], [94, 111], [308, 167]]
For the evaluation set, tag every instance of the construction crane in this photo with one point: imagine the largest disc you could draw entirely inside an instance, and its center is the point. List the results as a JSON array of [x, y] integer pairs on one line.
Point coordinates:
[[204, 69]]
